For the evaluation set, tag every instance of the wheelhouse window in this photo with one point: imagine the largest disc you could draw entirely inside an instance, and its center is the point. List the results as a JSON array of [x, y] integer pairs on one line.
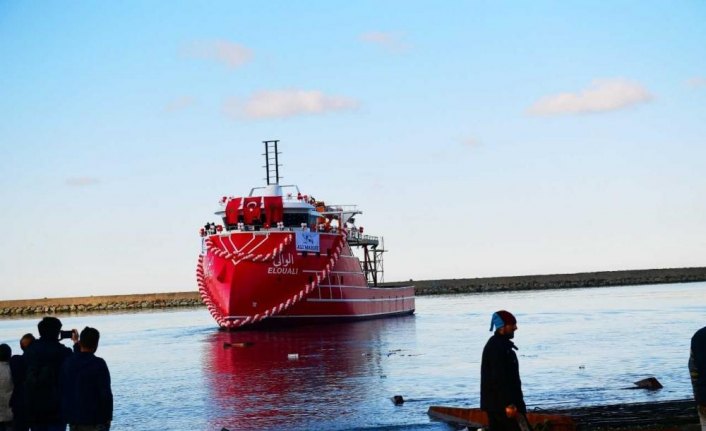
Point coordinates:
[[295, 219]]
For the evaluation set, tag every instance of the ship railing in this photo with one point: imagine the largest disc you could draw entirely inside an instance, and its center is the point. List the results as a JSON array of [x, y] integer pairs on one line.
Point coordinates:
[[357, 239], [333, 209], [241, 227]]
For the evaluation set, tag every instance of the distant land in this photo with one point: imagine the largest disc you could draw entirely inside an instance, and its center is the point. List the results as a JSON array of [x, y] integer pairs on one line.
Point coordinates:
[[560, 281], [109, 303]]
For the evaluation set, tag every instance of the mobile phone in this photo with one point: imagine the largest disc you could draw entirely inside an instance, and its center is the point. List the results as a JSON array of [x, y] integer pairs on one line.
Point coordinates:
[[65, 334]]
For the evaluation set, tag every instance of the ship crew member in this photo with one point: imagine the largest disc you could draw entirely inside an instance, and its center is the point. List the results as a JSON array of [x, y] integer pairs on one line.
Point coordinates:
[[500, 386], [697, 369]]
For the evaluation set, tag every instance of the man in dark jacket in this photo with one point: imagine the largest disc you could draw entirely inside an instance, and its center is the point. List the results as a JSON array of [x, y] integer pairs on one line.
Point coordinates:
[[41, 386], [18, 367], [697, 368], [87, 400], [500, 386]]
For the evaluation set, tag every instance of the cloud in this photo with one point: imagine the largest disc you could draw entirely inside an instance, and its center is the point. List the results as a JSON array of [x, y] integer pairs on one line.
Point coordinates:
[[601, 96], [696, 82], [390, 41], [231, 54], [180, 103], [82, 181], [470, 142], [287, 103]]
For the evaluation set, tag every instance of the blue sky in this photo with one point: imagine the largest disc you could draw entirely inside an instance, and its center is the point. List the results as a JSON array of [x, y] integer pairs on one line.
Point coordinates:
[[479, 138]]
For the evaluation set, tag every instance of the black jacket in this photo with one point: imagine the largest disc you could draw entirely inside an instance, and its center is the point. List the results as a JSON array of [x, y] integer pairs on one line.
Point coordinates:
[[41, 385], [85, 390], [697, 365], [18, 368], [500, 383]]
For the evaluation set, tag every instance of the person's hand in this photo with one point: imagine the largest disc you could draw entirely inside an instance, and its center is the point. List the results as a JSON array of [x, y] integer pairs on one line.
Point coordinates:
[[511, 411], [74, 335]]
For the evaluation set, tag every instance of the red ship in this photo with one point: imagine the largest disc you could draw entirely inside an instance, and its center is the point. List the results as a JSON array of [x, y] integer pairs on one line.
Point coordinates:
[[283, 258]]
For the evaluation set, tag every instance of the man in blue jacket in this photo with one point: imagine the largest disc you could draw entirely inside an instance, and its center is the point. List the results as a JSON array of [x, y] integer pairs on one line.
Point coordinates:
[[697, 368], [500, 386], [87, 400]]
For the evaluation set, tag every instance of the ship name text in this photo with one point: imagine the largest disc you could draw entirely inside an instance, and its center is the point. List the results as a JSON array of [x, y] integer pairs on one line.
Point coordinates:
[[283, 271], [280, 265]]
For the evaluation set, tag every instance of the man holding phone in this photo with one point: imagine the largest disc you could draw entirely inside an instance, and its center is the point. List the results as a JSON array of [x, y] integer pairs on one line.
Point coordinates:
[[44, 358]]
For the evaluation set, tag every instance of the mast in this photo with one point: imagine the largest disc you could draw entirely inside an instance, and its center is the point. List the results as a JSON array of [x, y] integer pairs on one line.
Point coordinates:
[[271, 162]]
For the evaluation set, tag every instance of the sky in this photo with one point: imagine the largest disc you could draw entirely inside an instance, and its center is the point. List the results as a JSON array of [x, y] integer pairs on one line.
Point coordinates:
[[479, 138]]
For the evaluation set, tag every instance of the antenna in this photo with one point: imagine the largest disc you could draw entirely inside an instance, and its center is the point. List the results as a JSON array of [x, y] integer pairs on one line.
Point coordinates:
[[271, 162]]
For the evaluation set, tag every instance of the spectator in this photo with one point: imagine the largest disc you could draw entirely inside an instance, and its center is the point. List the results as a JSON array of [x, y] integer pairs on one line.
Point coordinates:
[[500, 386], [5, 388], [87, 400], [18, 367], [43, 359], [697, 369]]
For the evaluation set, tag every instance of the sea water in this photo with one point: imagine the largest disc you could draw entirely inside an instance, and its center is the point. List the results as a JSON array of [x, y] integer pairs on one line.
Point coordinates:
[[174, 370]]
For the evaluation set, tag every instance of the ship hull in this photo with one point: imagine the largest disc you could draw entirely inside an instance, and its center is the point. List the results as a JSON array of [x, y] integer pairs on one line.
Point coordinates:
[[263, 278]]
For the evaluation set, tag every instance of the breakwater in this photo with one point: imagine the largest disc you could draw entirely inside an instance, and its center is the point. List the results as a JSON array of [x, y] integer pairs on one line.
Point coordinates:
[[109, 303], [45, 306], [559, 281]]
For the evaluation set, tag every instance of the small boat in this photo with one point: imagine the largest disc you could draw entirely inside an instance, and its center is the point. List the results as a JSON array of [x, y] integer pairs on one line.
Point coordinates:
[[476, 418], [281, 257]]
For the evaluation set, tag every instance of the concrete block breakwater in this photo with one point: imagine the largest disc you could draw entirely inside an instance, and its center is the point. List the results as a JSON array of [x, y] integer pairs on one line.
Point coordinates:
[[110, 303]]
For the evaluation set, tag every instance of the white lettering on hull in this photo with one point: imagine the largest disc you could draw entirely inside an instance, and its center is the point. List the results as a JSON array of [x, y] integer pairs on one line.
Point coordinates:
[[282, 271]]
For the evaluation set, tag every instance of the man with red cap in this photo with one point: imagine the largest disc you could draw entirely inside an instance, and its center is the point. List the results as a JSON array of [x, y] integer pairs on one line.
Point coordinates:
[[500, 386]]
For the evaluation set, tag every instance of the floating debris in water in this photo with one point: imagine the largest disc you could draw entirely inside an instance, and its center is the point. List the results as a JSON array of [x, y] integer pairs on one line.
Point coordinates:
[[241, 344], [398, 400], [293, 356], [649, 383]]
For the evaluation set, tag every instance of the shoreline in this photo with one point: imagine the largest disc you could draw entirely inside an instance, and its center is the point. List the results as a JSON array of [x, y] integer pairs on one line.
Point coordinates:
[[108, 303]]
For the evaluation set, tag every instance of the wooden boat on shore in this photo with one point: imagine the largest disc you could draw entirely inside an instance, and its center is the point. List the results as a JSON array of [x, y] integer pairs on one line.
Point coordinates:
[[476, 418], [660, 415]]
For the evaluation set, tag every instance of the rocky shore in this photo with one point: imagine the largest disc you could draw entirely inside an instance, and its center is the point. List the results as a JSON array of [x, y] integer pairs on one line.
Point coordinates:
[[47, 306], [110, 303]]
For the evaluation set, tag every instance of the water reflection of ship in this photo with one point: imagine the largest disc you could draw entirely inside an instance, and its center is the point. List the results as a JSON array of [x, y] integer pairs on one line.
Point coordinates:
[[255, 384]]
